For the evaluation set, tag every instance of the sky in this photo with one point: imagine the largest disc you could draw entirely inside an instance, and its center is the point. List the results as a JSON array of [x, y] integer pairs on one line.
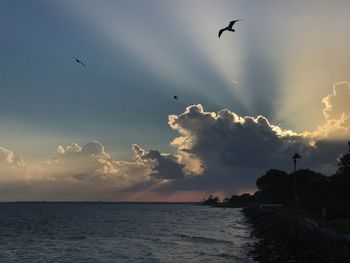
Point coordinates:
[[112, 131]]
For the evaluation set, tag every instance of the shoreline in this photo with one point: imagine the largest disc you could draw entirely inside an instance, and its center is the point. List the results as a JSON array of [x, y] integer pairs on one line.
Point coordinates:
[[287, 239], [97, 202]]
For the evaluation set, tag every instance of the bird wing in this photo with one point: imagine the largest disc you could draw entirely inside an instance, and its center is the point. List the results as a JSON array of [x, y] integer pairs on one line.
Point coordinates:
[[79, 61], [233, 22], [221, 30]]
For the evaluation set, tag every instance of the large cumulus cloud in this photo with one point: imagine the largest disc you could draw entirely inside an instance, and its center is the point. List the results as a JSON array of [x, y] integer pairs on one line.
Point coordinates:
[[233, 150], [224, 138]]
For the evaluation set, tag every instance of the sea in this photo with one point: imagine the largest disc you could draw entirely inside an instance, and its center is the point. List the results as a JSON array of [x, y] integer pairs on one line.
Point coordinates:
[[122, 232]]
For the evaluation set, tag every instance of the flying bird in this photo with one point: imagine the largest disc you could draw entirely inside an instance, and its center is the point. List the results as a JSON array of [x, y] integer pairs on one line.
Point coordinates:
[[176, 97], [229, 27], [79, 61]]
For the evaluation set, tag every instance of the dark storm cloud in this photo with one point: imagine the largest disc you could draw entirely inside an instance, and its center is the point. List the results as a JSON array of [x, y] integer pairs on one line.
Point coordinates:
[[324, 155], [235, 150], [226, 139], [166, 166], [232, 150]]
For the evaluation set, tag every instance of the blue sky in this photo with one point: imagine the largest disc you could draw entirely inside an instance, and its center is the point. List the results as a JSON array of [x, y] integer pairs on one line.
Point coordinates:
[[280, 63]]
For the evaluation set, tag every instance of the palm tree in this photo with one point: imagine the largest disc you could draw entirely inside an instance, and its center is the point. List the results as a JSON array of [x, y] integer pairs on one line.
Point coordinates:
[[295, 157]]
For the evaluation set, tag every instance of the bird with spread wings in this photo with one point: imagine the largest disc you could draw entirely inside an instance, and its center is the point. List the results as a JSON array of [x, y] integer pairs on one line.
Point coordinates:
[[229, 27], [79, 61]]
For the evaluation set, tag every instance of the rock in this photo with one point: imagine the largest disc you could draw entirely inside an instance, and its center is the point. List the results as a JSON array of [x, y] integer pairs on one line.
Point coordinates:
[[294, 240]]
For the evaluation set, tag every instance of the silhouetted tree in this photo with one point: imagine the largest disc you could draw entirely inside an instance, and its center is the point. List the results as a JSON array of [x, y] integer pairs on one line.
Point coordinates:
[[340, 187], [310, 187], [274, 187], [344, 162], [245, 199], [307, 189], [211, 200]]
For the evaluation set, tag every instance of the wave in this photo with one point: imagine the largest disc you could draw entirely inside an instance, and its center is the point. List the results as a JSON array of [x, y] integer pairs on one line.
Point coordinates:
[[225, 255], [220, 255], [76, 238], [205, 239]]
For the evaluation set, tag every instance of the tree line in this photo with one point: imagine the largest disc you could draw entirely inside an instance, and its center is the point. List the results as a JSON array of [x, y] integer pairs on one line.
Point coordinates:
[[303, 188]]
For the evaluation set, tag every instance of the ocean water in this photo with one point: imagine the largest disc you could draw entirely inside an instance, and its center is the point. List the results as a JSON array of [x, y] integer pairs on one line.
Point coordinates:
[[61, 232]]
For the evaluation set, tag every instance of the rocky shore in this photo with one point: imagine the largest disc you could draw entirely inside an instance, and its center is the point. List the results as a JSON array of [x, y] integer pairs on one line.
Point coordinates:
[[286, 239]]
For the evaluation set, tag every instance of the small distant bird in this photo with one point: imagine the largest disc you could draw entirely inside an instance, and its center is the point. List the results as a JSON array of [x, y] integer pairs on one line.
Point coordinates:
[[229, 27], [176, 97], [79, 61]]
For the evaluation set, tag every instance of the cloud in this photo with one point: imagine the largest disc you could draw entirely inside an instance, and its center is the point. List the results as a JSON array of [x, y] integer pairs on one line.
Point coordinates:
[[73, 172], [324, 155], [336, 113], [224, 138], [12, 166], [232, 150], [337, 104], [82, 163], [91, 163], [165, 166], [7, 157]]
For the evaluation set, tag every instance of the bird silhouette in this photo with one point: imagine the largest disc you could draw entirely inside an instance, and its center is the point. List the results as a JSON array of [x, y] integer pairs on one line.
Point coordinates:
[[176, 97], [229, 27], [79, 61]]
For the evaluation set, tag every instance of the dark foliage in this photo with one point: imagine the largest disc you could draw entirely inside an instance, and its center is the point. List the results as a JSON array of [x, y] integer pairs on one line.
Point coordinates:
[[308, 189], [241, 200], [274, 187], [344, 164], [211, 200]]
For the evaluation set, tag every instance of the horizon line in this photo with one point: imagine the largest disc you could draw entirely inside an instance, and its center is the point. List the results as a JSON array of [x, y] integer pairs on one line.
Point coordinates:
[[97, 202]]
